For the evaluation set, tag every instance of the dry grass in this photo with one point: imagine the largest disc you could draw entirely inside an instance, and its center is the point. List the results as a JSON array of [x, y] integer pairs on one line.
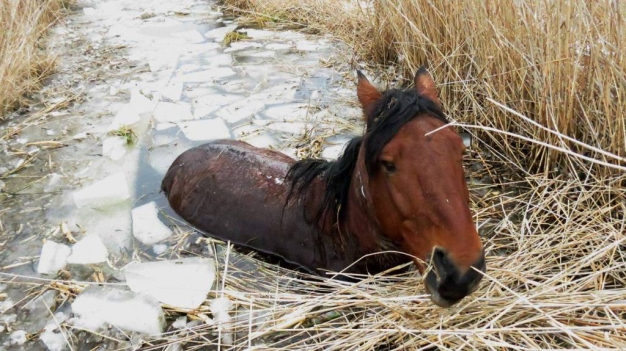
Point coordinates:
[[23, 62], [543, 86], [561, 63]]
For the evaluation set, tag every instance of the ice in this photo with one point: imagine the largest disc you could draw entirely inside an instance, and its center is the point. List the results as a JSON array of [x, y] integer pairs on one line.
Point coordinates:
[[43, 305], [108, 191], [209, 129], [259, 34], [126, 116], [54, 183], [112, 224], [262, 140], [204, 105], [332, 152], [262, 54], [159, 249], [287, 112], [240, 110], [180, 322], [18, 337], [219, 309], [191, 36], [89, 11], [147, 227], [182, 283], [307, 45], [140, 103], [206, 75], [53, 257], [54, 341], [126, 310], [88, 250], [163, 61], [172, 92], [220, 60], [240, 45], [114, 147], [6, 305], [218, 34], [164, 126], [278, 46], [172, 112]]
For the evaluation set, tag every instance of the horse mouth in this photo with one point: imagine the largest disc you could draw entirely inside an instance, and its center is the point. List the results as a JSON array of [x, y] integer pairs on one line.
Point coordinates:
[[448, 292], [430, 283]]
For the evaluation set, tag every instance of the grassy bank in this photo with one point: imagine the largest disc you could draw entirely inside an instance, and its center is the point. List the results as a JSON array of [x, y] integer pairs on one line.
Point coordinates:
[[543, 85], [23, 62]]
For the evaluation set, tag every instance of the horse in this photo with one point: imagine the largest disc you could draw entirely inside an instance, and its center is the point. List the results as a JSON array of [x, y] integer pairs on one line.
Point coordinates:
[[397, 194]]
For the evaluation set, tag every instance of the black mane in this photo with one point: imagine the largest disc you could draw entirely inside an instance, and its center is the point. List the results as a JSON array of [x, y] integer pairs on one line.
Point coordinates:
[[392, 110]]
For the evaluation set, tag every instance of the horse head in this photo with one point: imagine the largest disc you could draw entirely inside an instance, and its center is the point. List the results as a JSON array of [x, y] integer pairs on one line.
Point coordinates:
[[417, 188]]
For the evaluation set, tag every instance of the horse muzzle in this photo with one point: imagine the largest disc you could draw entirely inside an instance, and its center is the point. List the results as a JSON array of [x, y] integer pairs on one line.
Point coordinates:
[[446, 283]]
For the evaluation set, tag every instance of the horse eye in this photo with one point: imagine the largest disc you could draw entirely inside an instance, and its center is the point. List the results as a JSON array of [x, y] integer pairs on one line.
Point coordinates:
[[389, 167]]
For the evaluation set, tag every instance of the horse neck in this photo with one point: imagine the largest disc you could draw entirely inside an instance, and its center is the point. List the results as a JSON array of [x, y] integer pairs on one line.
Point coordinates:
[[360, 218]]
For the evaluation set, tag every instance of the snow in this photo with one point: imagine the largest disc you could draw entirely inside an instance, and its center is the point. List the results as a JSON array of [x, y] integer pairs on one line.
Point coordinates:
[[108, 191], [126, 310], [88, 250], [182, 283], [147, 227], [53, 257]]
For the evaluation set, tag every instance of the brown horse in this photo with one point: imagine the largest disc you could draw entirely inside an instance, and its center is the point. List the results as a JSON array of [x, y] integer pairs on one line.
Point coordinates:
[[396, 188]]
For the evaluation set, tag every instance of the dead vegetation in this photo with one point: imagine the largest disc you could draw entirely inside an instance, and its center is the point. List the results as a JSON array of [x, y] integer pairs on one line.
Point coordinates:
[[543, 87], [23, 61]]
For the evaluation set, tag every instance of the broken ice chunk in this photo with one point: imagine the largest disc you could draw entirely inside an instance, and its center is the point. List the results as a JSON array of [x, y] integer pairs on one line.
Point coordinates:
[[88, 250], [206, 75], [182, 283], [172, 92], [114, 147], [140, 103], [53, 257], [126, 116], [18, 337], [210, 129], [191, 36], [171, 112], [218, 34], [219, 308], [147, 227], [108, 191], [54, 341], [159, 249], [126, 310]]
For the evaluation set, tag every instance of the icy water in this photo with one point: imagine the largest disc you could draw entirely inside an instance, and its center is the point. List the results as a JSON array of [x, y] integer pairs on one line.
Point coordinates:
[[160, 69]]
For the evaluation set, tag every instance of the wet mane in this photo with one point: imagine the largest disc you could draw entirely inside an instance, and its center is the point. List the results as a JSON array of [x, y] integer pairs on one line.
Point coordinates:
[[393, 110]]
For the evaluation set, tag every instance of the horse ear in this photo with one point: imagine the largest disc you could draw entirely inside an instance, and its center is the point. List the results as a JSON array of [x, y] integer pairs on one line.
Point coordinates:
[[425, 85], [366, 92]]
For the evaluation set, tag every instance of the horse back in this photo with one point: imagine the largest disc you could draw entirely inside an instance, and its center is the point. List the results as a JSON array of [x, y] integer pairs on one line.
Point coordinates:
[[237, 192]]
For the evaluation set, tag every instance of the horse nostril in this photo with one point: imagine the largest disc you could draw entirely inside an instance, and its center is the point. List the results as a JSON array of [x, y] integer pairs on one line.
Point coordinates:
[[443, 266]]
